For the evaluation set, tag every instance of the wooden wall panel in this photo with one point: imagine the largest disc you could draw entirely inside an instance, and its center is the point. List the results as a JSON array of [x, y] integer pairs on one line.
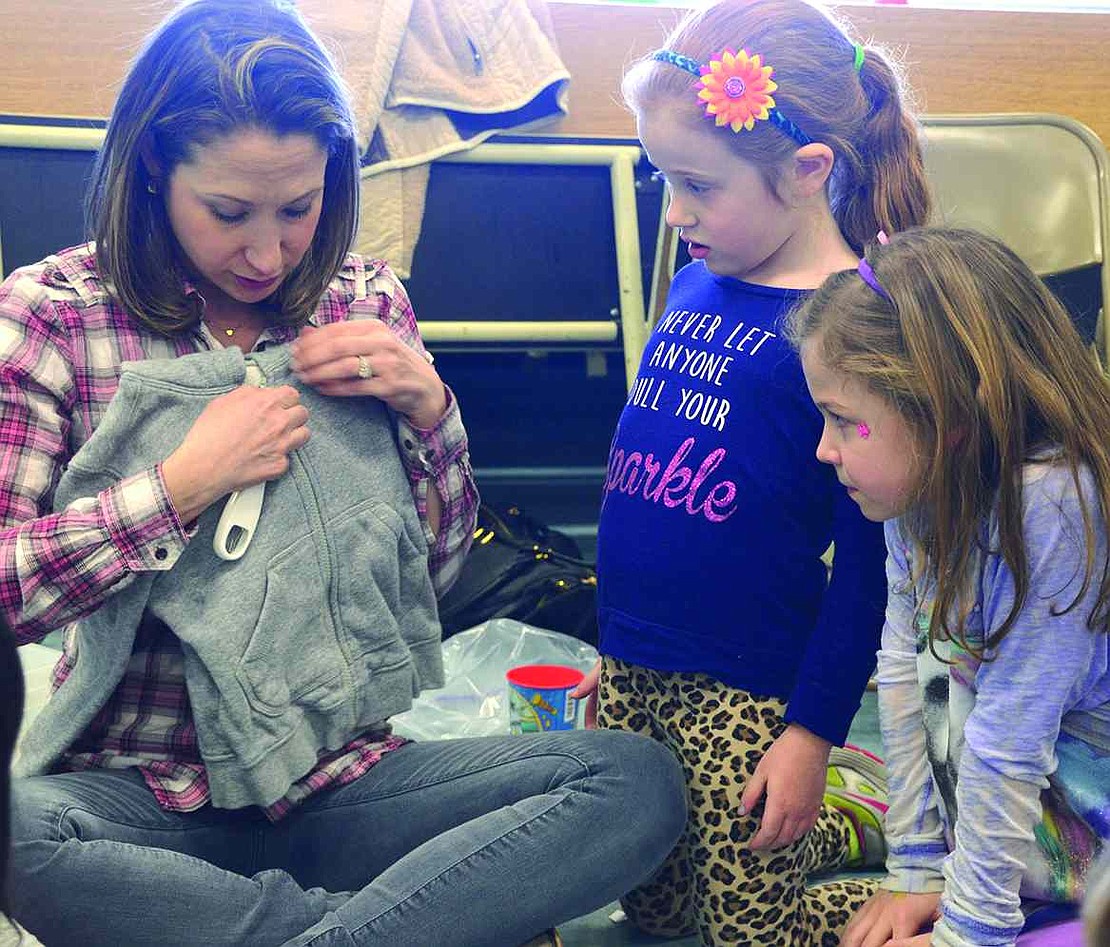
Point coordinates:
[[66, 58], [956, 60]]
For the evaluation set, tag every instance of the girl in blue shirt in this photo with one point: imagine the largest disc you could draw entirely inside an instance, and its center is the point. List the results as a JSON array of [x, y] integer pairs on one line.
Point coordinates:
[[784, 146]]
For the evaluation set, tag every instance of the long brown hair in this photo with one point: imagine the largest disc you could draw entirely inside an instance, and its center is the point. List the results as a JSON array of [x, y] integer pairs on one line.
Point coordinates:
[[878, 179], [989, 372], [211, 68]]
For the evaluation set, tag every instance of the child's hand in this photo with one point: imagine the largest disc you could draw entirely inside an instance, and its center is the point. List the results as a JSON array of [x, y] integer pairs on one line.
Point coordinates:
[[892, 919], [588, 689], [793, 774]]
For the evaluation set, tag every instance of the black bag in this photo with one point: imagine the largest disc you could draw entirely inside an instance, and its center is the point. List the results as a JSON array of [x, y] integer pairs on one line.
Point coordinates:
[[518, 568]]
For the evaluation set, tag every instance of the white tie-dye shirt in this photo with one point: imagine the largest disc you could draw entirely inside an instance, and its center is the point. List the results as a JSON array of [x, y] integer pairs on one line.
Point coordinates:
[[1018, 744]]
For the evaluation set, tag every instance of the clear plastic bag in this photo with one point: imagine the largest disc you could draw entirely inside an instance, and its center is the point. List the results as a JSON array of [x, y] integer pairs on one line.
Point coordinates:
[[474, 701]]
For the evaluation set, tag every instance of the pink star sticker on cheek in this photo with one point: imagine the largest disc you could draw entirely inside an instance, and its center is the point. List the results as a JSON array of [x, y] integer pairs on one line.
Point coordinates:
[[864, 430]]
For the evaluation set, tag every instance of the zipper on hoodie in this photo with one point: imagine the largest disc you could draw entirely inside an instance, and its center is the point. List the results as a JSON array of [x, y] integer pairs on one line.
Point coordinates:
[[255, 376], [306, 485], [242, 509], [306, 488]]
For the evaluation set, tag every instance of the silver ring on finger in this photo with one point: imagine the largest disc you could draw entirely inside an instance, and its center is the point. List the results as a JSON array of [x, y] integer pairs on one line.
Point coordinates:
[[364, 369]]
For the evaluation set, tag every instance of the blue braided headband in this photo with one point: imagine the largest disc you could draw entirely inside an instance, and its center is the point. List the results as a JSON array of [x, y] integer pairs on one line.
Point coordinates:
[[734, 88]]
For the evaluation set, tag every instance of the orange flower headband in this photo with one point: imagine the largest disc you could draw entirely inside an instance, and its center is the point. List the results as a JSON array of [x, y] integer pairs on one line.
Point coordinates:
[[736, 89]]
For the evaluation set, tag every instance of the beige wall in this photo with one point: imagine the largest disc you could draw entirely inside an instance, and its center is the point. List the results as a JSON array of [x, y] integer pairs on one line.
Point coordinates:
[[66, 58], [956, 60]]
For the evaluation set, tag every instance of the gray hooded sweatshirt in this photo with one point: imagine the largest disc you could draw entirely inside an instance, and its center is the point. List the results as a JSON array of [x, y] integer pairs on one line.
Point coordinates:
[[326, 626]]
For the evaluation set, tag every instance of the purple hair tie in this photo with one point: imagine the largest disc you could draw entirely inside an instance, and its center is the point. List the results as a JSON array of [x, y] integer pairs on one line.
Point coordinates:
[[868, 276]]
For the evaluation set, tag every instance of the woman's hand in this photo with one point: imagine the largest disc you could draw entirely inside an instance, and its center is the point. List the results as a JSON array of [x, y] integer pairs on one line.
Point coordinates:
[[329, 358], [792, 773], [587, 689], [240, 439], [892, 916]]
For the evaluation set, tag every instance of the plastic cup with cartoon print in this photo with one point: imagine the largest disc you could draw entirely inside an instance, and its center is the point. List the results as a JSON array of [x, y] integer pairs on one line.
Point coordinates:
[[539, 698]]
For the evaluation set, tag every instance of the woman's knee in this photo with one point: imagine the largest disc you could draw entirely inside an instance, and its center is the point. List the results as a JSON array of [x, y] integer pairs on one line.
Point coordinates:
[[38, 810], [71, 805], [38, 834], [653, 786], [649, 761]]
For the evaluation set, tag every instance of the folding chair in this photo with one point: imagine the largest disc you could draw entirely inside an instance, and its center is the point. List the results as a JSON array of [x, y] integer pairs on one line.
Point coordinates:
[[1038, 182]]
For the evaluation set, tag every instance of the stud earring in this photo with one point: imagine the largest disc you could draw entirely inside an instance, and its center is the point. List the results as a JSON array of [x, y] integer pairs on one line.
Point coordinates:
[[864, 430], [152, 186]]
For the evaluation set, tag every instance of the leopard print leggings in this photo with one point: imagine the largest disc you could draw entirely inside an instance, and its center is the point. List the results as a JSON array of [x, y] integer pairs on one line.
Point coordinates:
[[712, 883]]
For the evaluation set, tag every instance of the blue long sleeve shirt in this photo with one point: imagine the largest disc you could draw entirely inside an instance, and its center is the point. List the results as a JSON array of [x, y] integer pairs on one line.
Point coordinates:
[[716, 512]]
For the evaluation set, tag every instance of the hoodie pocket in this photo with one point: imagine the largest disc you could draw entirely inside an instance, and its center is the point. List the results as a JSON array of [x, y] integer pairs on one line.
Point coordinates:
[[380, 583], [293, 656]]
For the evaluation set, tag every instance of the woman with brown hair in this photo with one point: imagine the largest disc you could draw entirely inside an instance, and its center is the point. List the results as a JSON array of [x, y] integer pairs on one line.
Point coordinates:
[[244, 605]]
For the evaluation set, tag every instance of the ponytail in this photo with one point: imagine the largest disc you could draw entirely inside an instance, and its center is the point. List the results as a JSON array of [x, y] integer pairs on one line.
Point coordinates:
[[882, 185]]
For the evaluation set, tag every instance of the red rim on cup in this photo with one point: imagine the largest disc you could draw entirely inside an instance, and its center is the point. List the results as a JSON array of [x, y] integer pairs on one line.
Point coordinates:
[[545, 676]]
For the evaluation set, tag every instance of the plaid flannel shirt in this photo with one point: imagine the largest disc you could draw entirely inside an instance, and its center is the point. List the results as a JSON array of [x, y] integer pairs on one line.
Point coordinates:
[[63, 340]]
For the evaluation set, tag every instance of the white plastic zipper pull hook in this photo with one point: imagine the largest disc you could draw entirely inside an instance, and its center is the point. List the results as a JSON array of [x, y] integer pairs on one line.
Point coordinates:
[[235, 530], [238, 521]]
